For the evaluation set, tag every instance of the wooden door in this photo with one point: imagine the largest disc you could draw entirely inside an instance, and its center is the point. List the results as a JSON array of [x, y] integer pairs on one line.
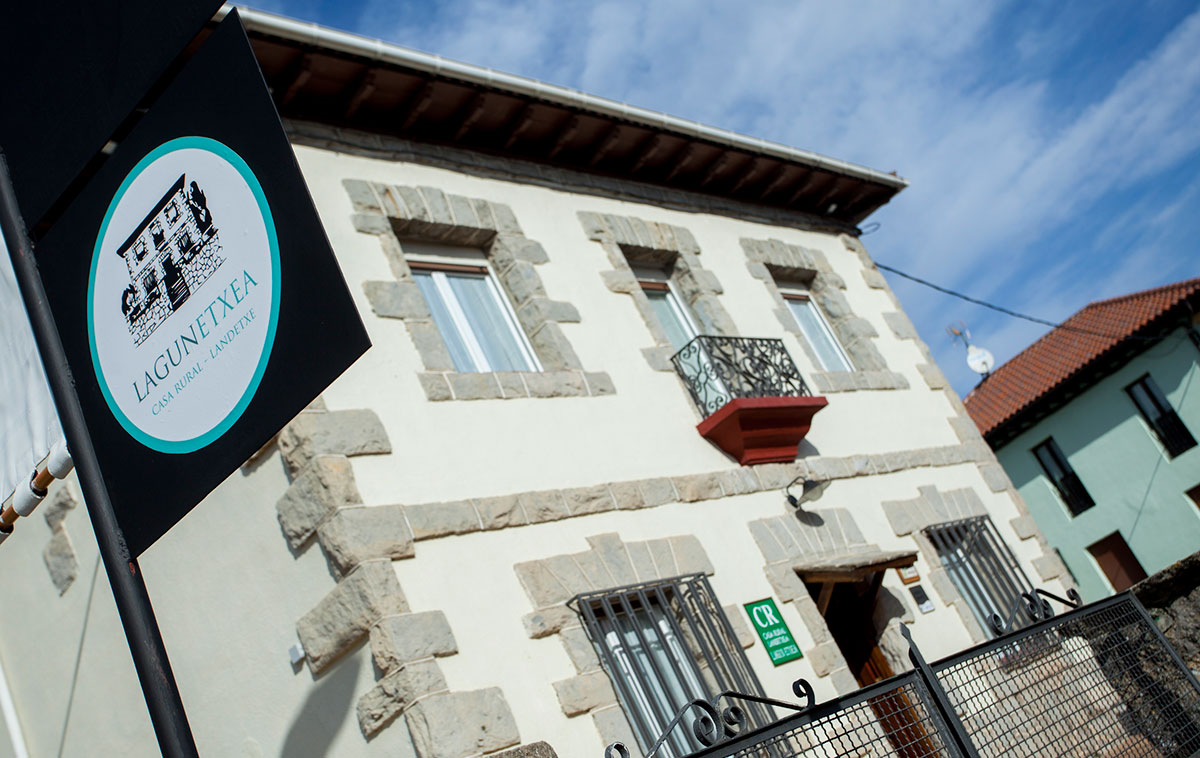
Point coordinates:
[[1117, 562], [849, 617]]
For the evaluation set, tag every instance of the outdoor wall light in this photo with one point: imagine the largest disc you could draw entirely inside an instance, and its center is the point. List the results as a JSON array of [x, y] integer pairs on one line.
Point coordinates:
[[809, 491]]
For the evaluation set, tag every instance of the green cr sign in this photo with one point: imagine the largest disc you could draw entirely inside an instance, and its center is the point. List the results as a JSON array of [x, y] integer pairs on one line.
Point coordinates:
[[775, 635]]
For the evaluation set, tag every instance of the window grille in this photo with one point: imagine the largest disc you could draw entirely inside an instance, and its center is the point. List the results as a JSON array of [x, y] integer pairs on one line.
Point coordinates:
[[1161, 417], [1070, 488], [982, 567], [664, 644]]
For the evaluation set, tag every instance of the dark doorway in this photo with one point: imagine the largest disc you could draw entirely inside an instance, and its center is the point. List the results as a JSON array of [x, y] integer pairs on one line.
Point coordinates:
[[849, 608]]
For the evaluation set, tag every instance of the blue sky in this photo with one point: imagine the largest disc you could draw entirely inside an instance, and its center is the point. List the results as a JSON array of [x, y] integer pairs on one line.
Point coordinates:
[[1052, 148]]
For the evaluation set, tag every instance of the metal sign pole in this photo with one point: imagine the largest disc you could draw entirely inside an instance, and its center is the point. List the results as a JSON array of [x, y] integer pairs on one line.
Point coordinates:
[[129, 589]]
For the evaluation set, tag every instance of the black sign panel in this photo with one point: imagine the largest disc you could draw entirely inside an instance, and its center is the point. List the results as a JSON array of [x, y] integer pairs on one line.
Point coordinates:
[[197, 297], [102, 57]]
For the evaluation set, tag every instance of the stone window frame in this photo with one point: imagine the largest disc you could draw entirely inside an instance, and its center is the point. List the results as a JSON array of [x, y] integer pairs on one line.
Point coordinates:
[[773, 261], [609, 562], [395, 213], [629, 242]]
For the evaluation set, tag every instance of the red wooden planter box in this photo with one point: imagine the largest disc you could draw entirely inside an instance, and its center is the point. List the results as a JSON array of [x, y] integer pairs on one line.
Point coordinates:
[[761, 429]]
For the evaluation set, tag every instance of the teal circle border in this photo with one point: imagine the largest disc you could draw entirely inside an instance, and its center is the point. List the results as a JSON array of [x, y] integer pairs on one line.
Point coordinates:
[[222, 151]]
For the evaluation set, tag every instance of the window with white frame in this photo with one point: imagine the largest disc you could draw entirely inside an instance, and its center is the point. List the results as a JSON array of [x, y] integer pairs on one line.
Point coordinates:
[[473, 316], [674, 317], [821, 338]]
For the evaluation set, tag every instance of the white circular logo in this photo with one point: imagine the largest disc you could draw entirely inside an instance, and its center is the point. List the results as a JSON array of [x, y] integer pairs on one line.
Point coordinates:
[[183, 298]]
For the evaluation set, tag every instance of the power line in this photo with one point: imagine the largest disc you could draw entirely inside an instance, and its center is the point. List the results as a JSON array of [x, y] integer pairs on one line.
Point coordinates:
[[1007, 311]]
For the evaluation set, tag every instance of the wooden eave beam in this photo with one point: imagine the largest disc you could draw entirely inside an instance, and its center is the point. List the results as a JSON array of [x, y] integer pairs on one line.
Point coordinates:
[[295, 78], [517, 125], [715, 167], [819, 180], [363, 89], [838, 185], [469, 114], [417, 103], [752, 169], [647, 151], [774, 181], [807, 182], [682, 160], [570, 127], [610, 139]]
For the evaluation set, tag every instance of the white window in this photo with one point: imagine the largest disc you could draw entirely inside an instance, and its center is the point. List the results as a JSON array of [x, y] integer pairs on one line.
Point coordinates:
[[672, 314], [646, 642], [474, 318], [820, 337]]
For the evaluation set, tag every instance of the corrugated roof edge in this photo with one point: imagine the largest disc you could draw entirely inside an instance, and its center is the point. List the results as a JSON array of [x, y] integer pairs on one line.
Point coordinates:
[[319, 36]]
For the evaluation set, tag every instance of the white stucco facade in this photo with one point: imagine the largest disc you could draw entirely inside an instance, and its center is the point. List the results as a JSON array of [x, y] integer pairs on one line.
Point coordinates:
[[252, 571]]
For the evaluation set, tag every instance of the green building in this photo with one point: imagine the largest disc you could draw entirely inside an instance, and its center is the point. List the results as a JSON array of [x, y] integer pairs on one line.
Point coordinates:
[[1096, 425]]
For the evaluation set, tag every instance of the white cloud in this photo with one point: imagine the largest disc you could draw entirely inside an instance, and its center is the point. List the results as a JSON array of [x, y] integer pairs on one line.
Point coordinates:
[[998, 167]]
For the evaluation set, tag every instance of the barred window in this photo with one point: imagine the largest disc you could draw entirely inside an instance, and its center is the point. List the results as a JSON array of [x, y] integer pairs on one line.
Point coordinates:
[[664, 644], [982, 567]]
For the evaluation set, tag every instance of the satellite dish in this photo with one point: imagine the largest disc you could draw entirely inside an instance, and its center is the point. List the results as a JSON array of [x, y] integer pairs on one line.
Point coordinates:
[[980, 360]]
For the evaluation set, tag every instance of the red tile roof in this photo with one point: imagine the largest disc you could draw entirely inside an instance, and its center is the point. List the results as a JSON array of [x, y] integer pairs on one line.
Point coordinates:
[[1065, 351]]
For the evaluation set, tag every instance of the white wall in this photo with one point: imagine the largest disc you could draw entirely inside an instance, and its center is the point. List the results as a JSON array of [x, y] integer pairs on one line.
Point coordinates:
[[228, 591]]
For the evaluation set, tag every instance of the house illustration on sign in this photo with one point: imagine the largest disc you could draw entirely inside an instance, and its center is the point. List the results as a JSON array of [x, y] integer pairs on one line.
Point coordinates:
[[171, 253]]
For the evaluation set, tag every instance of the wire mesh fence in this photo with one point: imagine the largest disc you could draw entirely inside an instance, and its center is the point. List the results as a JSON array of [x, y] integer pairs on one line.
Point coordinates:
[[1097, 682], [1100, 682], [893, 718]]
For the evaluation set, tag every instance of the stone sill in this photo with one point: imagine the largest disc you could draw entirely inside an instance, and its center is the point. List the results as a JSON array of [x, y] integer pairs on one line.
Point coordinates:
[[505, 385], [851, 381]]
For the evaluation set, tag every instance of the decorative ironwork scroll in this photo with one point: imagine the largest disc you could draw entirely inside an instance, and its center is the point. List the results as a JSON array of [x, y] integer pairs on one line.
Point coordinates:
[[719, 369], [1036, 608], [714, 724]]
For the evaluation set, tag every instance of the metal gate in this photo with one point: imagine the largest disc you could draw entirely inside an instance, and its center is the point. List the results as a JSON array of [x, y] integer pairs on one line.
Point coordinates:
[[1098, 681]]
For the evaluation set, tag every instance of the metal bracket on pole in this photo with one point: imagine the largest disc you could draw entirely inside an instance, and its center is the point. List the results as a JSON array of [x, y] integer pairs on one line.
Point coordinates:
[[129, 589]]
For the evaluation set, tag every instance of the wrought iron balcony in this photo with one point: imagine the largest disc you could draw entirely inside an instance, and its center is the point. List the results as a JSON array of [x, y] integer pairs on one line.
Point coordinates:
[[719, 369], [755, 404]]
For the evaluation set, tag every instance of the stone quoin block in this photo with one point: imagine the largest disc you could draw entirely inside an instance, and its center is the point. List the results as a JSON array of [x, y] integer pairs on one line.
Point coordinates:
[[56, 507], [325, 485], [343, 617], [546, 621], [396, 299], [61, 562], [395, 692], [396, 640], [582, 693], [461, 724], [315, 433], [429, 520], [354, 535], [499, 512], [541, 585]]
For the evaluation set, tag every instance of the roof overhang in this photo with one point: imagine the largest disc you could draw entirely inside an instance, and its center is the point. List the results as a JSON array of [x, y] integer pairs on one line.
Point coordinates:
[[327, 76]]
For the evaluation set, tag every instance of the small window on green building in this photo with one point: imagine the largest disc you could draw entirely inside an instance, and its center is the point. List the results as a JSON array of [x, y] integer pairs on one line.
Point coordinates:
[[1162, 418], [1074, 495]]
